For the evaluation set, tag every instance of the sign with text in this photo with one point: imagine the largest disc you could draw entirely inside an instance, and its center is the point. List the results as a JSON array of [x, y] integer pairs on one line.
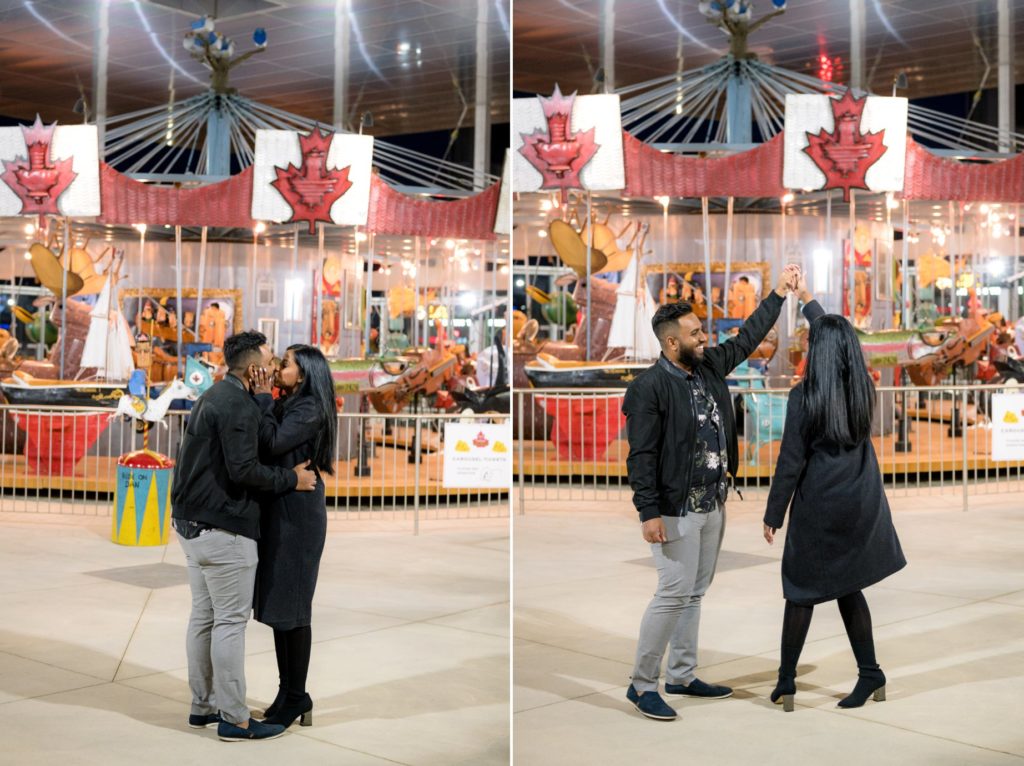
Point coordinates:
[[476, 455], [1008, 426]]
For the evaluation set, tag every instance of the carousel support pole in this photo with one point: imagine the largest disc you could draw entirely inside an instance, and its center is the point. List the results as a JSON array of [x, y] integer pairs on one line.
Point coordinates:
[[829, 239], [218, 141], [342, 27], [851, 271], [1014, 300], [177, 304], [1006, 95], [101, 56], [202, 279], [608, 44], [728, 253], [903, 442], [857, 27], [367, 301], [290, 310], [318, 286], [64, 296], [590, 250], [739, 111], [704, 216], [481, 100], [953, 257]]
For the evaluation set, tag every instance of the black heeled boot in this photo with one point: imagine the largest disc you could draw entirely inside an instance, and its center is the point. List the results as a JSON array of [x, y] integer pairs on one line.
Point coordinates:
[[870, 683], [870, 678], [295, 706], [785, 690], [274, 706]]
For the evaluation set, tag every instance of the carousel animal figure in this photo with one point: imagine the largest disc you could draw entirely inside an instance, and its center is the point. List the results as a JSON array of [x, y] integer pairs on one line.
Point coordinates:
[[426, 376], [137, 406]]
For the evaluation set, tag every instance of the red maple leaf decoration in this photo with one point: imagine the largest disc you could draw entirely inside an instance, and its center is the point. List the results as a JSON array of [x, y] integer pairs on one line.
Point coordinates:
[[311, 188], [558, 154], [37, 179], [845, 154]]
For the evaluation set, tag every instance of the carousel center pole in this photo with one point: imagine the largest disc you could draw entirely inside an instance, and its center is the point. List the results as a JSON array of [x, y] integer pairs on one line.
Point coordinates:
[[202, 274], [177, 305], [64, 296], [851, 269], [590, 249], [704, 215]]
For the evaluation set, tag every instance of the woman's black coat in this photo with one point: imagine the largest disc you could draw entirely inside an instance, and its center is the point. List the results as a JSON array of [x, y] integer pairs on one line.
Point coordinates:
[[841, 537], [293, 525]]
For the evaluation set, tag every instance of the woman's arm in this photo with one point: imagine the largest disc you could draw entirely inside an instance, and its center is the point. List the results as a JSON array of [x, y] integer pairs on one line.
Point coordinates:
[[792, 456], [298, 425]]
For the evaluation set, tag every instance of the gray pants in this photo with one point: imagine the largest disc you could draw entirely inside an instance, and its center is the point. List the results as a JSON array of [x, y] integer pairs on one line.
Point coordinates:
[[686, 566], [221, 572]]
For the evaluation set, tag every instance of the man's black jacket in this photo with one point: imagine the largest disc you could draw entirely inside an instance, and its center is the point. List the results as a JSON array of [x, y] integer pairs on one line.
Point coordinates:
[[218, 475], [661, 422]]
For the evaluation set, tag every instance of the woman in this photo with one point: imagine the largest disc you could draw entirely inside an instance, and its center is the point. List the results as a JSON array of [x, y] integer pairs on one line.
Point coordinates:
[[299, 426], [840, 538]]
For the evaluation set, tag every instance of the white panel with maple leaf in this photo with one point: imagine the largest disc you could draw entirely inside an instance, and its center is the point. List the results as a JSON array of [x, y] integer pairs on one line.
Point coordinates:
[[880, 129], [350, 157], [72, 158], [604, 171]]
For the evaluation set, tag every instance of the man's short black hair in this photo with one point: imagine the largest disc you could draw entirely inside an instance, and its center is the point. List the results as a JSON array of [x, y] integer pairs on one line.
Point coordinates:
[[243, 349], [215, 305], [745, 279], [668, 315]]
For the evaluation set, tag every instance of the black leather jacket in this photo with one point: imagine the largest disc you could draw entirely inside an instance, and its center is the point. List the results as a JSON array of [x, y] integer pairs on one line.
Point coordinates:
[[218, 477], [661, 422]]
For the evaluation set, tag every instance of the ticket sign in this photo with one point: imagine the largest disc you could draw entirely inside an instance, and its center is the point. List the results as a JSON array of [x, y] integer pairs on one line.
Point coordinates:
[[477, 455], [1008, 426]]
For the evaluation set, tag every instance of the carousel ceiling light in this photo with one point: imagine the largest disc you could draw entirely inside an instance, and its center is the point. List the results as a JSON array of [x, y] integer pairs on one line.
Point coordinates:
[[891, 202], [139, 227], [545, 205], [996, 268], [788, 197], [403, 48], [542, 233], [520, 283], [260, 227], [450, 244], [503, 269], [30, 228], [361, 236], [28, 256]]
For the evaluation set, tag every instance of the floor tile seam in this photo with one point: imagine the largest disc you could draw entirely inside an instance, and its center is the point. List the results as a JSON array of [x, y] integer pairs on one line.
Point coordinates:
[[166, 671], [310, 736], [131, 637], [565, 699], [816, 709], [55, 667], [470, 630], [575, 651], [99, 682], [838, 711]]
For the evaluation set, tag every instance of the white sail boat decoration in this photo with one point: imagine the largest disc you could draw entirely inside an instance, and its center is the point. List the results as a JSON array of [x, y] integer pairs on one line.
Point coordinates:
[[108, 346]]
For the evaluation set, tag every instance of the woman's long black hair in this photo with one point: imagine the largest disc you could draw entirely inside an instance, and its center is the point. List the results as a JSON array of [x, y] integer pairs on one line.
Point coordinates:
[[839, 395], [317, 383]]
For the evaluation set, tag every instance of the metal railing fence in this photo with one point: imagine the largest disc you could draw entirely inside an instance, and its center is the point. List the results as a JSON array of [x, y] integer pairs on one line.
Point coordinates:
[[63, 460], [570, 444]]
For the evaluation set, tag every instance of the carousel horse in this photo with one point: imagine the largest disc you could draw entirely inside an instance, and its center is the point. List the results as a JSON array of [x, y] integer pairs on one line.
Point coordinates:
[[137, 406]]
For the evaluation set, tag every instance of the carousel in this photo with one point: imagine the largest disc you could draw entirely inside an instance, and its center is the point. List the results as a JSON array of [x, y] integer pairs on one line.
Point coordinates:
[[216, 214], [700, 186]]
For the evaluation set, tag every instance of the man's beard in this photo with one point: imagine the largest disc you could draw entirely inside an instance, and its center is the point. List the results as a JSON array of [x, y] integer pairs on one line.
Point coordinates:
[[689, 357]]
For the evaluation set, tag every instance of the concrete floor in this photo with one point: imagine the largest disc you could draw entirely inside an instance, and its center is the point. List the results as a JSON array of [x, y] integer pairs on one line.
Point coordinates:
[[949, 632], [410, 658]]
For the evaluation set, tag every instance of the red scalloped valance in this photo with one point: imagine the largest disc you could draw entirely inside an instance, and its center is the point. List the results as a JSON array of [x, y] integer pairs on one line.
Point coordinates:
[[392, 212], [754, 173], [126, 201], [938, 178]]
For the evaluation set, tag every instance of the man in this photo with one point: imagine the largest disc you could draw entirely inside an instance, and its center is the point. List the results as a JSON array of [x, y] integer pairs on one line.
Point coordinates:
[[492, 364], [682, 446], [217, 517]]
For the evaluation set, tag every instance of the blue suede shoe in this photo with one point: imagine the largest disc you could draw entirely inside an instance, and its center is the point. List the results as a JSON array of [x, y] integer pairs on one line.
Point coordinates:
[[197, 721], [257, 730], [698, 688], [650, 704]]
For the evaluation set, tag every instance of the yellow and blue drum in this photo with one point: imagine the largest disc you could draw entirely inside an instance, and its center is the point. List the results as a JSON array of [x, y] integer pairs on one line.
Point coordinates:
[[142, 499]]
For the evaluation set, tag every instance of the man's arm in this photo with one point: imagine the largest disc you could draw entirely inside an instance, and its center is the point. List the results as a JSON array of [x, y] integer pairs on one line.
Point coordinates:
[[727, 356], [239, 438], [643, 431]]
